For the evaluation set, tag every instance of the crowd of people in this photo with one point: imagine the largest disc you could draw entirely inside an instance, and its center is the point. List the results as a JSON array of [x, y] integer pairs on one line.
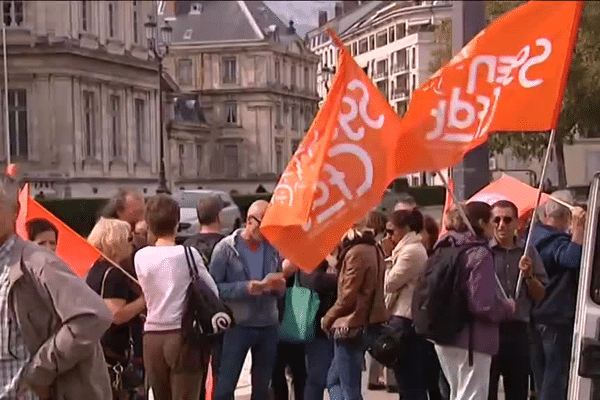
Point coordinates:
[[118, 333]]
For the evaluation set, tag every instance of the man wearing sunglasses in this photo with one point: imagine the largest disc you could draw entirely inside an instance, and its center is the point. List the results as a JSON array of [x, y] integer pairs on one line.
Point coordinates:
[[512, 360]]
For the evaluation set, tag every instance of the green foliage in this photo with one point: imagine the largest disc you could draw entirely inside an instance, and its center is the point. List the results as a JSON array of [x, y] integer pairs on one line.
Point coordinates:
[[79, 214], [442, 35]]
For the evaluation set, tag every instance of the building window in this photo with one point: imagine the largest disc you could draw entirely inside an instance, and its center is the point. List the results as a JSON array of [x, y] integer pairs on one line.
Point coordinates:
[[231, 112], [13, 13], [382, 39], [115, 126], [278, 112], [199, 158], [306, 78], [294, 117], [229, 70], [231, 160], [86, 15], [141, 137], [401, 30], [371, 42], [293, 74], [295, 145], [307, 118], [136, 28], [277, 71], [325, 60], [181, 151], [413, 58], [17, 122], [363, 46], [279, 166], [89, 124], [112, 19], [185, 71], [392, 34], [414, 82], [331, 59]]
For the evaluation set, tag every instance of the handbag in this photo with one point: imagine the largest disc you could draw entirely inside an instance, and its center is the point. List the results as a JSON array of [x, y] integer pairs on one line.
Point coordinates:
[[132, 375], [205, 316], [301, 306], [389, 345]]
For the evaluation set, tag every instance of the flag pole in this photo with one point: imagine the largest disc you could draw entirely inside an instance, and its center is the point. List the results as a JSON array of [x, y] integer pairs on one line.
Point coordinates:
[[6, 127], [465, 219], [551, 141]]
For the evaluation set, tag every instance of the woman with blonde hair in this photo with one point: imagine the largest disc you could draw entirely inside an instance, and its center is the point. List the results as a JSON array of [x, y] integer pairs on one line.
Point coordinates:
[[115, 240]]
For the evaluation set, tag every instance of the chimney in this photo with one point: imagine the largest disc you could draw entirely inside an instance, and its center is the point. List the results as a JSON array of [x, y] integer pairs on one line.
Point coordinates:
[[322, 18], [349, 6], [339, 8], [291, 30]]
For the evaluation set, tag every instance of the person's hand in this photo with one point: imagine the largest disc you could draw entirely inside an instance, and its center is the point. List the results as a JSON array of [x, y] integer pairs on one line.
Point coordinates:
[[578, 224], [289, 269], [42, 392], [526, 266], [388, 246], [255, 288], [513, 306], [274, 281], [323, 327]]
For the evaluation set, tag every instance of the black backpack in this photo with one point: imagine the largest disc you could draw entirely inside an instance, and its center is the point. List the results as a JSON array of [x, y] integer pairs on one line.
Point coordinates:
[[206, 316], [439, 305], [205, 244]]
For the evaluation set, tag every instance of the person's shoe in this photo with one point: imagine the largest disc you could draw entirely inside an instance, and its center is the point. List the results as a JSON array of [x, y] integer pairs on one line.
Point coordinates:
[[392, 389], [376, 386]]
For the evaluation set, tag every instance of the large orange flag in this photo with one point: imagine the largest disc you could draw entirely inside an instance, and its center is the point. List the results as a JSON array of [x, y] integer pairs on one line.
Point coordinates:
[[338, 173], [510, 78], [74, 250]]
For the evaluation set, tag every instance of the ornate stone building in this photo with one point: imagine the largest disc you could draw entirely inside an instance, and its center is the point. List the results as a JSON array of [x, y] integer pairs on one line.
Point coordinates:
[[82, 96], [251, 83]]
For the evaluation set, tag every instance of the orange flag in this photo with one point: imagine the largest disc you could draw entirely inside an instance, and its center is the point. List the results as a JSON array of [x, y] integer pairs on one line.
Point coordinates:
[[74, 250], [510, 78], [512, 189], [448, 205], [338, 173]]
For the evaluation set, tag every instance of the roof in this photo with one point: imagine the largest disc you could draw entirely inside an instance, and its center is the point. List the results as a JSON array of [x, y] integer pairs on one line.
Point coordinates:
[[345, 21], [222, 21]]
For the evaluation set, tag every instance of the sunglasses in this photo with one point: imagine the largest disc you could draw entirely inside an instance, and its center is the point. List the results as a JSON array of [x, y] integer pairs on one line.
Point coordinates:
[[389, 232], [256, 219], [506, 220]]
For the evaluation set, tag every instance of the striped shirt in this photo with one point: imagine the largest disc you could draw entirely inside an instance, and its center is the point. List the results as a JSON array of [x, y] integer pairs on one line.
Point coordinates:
[[13, 352]]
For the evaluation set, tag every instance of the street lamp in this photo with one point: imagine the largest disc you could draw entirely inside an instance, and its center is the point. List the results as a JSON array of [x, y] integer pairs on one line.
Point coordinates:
[[159, 48]]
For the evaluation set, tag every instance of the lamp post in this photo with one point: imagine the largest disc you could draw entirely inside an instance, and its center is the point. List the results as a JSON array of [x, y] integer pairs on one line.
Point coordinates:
[[159, 48]]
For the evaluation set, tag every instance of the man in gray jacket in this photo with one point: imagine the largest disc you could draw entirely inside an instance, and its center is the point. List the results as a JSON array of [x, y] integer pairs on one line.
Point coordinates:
[[51, 322], [247, 270]]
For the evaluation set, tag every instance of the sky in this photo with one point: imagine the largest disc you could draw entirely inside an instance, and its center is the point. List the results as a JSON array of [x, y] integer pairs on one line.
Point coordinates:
[[303, 13]]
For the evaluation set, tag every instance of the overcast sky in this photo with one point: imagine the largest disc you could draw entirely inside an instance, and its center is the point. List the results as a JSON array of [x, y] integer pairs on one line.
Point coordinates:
[[303, 13]]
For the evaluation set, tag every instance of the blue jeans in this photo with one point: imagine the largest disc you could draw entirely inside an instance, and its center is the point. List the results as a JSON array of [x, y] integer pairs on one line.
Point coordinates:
[[550, 359], [345, 374], [236, 343], [319, 354]]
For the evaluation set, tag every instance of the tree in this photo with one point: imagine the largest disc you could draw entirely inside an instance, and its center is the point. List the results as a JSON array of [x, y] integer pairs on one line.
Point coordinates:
[[581, 103]]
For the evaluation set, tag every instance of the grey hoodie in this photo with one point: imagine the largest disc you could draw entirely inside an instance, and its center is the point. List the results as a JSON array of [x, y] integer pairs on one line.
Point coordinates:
[[231, 275]]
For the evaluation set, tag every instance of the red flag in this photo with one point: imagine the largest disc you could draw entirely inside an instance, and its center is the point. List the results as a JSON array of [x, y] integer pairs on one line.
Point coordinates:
[[338, 173], [510, 78], [448, 205], [74, 250]]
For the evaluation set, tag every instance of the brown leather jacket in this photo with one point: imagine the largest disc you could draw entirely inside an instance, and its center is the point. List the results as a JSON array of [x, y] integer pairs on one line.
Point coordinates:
[[360, 298]]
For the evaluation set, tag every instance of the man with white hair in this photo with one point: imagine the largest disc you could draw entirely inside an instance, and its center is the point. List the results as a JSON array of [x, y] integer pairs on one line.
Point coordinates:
[[51, 322], [553, 317], [405, 202]]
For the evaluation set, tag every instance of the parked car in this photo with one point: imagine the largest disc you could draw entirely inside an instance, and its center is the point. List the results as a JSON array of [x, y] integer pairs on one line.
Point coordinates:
[[231, 217]]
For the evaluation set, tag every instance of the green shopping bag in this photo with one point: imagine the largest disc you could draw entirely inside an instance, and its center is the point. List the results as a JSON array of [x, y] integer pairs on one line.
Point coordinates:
[[301, 306]]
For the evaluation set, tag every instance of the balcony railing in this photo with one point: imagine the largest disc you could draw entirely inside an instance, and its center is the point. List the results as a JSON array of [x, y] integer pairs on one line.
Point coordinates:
[[399, 68], [381, 74], [399, 94]]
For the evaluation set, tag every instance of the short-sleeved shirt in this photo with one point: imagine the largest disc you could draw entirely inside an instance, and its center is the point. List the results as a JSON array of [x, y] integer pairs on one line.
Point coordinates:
[[116, 286]]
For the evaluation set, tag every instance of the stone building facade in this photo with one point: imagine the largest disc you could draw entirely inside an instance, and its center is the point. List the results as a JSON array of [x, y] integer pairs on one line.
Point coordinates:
[[82, 96], [254, 84]]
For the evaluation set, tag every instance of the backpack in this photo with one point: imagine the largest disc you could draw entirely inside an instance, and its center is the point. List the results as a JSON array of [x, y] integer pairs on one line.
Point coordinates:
[[205, 244], [206, 316], [439, 305]]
